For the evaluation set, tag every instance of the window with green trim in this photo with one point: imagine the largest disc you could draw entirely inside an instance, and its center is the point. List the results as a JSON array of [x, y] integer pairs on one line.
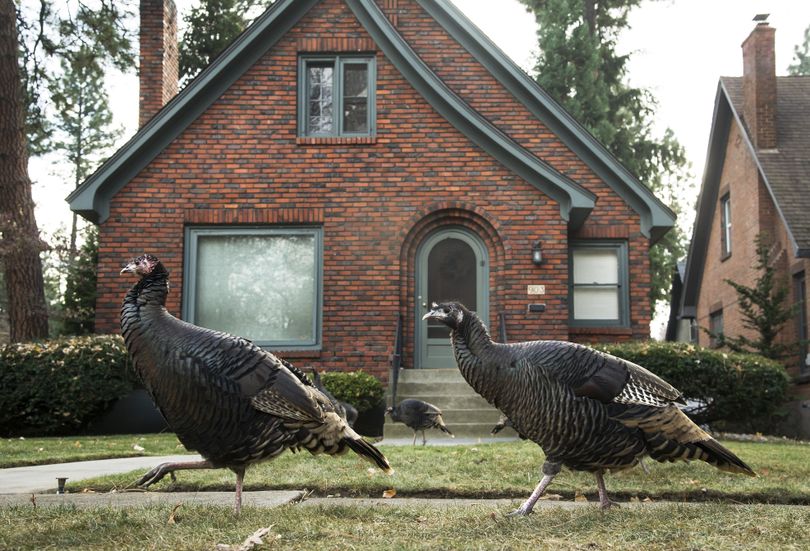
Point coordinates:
[[598, 284], [336, 96], [263, 284]]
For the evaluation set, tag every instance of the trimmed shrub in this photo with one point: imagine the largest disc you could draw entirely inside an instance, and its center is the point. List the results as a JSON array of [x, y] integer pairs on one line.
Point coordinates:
[[740, 391], [358, 388], [59, 386]]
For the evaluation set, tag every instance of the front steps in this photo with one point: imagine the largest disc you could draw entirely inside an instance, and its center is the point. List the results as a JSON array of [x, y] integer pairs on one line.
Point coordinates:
[[464, 412]]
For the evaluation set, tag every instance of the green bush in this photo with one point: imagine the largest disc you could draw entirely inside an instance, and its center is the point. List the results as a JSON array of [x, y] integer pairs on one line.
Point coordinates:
[[358, 388], [743, 391], [59, 386]]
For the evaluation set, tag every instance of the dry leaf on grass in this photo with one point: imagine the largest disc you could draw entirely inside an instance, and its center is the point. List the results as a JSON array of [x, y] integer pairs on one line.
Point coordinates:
[[580, 497], [552, 497], [389, 493], [252, 541], [172, 515]]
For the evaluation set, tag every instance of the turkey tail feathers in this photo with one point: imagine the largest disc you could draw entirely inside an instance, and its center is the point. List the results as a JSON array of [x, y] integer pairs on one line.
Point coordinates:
[[369, 453], [722, 458]]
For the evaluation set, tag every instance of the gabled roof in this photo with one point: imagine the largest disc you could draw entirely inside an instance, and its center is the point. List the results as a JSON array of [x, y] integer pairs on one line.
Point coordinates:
[[785, 170], [92, 198]]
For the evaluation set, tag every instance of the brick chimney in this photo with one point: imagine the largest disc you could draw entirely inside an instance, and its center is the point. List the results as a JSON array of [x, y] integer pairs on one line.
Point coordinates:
[[759, 85], [160, 67]]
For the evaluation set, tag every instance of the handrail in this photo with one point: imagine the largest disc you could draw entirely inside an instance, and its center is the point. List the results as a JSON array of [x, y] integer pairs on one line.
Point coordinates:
[[502, 326], [396, 360]]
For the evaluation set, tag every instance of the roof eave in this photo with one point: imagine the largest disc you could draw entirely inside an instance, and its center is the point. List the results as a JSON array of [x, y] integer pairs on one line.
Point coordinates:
[[91, 198], [656, 218]]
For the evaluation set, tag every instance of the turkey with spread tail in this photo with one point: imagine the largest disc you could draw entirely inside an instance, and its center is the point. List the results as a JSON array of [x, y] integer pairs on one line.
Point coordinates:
[[418, 415], [231, 401], [588, 411]]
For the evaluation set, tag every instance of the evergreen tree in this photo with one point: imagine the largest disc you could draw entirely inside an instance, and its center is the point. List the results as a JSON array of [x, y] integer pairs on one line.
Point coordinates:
[[82, 123], [579, 67], [210, 27], [801, 64], [80, 293], [764, 308]]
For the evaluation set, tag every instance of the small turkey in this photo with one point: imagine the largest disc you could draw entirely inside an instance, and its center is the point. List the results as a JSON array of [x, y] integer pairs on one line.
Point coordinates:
[[231, 401], [418, 416], [588, 411], [344, 409]]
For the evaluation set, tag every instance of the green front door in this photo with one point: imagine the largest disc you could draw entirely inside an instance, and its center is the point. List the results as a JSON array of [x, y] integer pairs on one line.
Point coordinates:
[[451, 264]]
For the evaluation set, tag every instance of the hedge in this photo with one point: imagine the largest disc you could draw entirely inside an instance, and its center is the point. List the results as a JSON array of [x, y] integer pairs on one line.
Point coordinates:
[[741, 391], [358, 388], [58, 386]]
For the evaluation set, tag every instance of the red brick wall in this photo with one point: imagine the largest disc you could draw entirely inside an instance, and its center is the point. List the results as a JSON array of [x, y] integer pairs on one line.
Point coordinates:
[[241, 163], [749, 195], [159, 57], [759, 86]]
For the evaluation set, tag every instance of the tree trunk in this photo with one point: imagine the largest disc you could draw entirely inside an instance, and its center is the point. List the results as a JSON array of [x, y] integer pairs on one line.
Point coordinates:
[[20, 245]]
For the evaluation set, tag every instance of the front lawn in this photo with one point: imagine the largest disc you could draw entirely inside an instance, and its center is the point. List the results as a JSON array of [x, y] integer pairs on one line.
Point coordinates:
[[508, 469]]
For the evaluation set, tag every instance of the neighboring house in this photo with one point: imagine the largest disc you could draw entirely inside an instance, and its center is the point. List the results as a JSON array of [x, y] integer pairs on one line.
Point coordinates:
[[344, 163], [757, 181]]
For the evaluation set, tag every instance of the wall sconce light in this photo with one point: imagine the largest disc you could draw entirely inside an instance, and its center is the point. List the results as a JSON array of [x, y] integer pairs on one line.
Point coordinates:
[[537, 253]]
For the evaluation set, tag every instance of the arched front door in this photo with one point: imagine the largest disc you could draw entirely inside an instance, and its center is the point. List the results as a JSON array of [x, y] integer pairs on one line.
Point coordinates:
[[451, 264]]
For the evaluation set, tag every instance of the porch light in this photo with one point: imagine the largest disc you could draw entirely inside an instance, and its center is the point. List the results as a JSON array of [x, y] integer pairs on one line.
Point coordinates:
[[537, 253]]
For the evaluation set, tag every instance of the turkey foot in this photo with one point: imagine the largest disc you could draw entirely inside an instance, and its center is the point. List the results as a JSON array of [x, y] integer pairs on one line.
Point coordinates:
[[163, 469]]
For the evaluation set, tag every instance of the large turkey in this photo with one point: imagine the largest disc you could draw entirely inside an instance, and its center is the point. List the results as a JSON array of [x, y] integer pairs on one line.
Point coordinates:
[[223, 396], [588, 411], [418, 415]]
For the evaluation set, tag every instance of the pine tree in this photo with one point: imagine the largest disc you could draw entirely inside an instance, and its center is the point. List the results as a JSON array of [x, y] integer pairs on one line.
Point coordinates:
[[579, 67], [82, 130], [764, 308], [801, 64], [210, 27], [80, 292]]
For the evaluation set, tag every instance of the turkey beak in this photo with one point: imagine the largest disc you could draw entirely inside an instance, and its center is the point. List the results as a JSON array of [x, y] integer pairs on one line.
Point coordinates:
[[433, 314], [129, 268]]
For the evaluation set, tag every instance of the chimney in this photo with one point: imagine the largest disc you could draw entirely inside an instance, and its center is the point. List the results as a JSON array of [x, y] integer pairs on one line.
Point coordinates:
[[759, 84], [160, 67]]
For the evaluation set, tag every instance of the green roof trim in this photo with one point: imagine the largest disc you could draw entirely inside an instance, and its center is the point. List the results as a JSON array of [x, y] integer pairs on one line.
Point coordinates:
[[656, 218], [92, 198], [575, 201]]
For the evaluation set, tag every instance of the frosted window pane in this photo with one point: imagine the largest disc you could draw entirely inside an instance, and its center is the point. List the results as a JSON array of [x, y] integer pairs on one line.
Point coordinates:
[[262, 287], [596, 304], [596, 266]]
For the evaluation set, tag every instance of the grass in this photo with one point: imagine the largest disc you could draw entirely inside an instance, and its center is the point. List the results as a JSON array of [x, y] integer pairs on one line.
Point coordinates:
[[738, 512], [671, 526], [509, 469], [18, 452]]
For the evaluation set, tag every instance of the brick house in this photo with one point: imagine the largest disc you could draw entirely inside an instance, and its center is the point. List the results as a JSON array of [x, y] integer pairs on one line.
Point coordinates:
[[344, 163], [756, 182]]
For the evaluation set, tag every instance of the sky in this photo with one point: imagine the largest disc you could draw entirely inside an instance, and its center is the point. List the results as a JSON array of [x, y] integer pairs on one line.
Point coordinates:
[[679, 49]]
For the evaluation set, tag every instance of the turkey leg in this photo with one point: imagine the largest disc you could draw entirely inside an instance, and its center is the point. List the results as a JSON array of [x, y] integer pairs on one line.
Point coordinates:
[[550, 470], [168, 468], [604, 500]]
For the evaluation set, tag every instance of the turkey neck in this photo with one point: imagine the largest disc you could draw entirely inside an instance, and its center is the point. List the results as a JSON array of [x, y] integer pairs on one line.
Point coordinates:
[[474, 350], [142, 305]]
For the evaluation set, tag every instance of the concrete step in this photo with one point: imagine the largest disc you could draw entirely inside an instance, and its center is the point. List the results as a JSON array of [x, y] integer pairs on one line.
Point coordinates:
[[427, 375], [449, 401], [475, 430], [460, 388]]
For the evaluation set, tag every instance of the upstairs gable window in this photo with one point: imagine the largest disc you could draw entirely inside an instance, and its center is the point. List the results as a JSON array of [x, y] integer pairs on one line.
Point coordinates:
[[725, 226], [336, 96]]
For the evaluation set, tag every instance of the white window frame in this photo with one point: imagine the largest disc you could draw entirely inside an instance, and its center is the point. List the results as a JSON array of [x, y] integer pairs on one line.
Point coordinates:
[[622, 284], [192, 235]]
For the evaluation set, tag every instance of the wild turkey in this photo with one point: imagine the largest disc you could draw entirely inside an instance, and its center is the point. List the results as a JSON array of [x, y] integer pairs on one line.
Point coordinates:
[[344, 409], [588, 411], [418, 416], [223, 396]]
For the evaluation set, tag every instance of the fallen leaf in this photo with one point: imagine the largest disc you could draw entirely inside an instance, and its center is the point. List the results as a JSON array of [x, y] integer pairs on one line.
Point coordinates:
[[553, 497], [172, 515], [647, 500], [252, 541], [635, 499], [138, 448], [389, 493], [580, 497]]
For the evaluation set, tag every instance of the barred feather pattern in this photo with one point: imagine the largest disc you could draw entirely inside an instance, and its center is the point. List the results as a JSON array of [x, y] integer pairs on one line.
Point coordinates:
[[419, 415], [212, 388], [587, 410]]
